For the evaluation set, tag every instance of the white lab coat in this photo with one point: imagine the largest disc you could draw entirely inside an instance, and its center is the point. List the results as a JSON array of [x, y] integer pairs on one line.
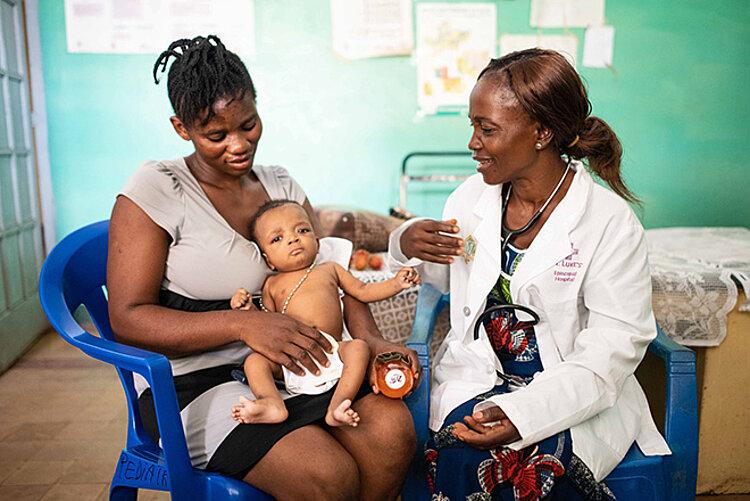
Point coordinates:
[[586, 275]]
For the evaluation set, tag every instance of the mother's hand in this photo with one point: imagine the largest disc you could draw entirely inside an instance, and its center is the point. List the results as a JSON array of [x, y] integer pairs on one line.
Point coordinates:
[[428, 240], [287, 342], [477, 434]]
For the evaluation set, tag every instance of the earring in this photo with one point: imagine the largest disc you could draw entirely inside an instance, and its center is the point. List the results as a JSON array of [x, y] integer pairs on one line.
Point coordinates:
[[538, 146]]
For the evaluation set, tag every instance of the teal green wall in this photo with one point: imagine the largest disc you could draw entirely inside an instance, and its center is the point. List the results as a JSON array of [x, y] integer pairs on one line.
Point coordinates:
[[678, 101]]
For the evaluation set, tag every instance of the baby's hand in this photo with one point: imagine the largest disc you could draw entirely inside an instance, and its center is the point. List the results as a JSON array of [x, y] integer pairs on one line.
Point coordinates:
[[407, 277], [241, 300]]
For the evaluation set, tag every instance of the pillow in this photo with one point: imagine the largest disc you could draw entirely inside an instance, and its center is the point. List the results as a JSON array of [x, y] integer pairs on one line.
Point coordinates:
[[366, 230], [338, 250]]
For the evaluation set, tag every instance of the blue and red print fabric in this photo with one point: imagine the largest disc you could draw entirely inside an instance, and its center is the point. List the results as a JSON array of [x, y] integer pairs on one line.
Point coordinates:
[[547, 470]]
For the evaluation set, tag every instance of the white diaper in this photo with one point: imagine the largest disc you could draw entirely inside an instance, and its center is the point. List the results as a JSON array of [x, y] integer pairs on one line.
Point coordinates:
[[310, 384]]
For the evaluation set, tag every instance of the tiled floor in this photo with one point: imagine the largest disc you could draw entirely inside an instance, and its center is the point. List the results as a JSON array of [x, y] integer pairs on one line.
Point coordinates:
[[62, 425]]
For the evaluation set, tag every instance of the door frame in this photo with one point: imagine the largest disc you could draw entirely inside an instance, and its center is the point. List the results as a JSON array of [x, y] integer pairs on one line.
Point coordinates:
[[40, 144]]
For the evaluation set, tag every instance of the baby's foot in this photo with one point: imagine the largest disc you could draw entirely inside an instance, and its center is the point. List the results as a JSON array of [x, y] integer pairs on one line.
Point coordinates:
[[342, 415], [262, 410]]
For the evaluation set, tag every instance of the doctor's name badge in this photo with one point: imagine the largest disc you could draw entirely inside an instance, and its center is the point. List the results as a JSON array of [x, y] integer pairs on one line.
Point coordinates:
[[469, 249]]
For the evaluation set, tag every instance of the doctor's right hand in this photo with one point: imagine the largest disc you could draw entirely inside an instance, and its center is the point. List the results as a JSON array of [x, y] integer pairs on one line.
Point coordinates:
[[429, 240]]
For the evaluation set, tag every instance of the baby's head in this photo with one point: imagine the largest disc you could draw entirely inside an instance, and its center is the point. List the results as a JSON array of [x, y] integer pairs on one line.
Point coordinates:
[[285, 235]]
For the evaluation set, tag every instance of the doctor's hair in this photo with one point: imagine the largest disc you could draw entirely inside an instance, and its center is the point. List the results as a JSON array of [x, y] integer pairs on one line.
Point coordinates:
[[551, 92], [268, 206], [202, 73]]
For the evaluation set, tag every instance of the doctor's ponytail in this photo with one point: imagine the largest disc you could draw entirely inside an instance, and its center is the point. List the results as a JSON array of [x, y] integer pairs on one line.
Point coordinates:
[[599, 146]]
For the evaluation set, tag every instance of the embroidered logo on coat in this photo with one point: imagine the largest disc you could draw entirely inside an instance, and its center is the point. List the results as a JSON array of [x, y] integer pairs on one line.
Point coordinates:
[[469, 248], [566, 269]]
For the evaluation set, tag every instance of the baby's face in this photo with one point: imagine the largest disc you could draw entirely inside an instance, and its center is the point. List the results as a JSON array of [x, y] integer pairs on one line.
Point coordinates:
[[286, 237]]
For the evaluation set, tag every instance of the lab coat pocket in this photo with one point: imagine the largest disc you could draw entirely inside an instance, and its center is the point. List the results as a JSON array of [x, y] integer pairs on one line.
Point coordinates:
[[604, 439], [471, 364], [563, 319]]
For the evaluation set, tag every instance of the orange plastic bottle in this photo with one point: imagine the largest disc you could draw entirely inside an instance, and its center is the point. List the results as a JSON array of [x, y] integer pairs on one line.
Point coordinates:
[[393, 374]]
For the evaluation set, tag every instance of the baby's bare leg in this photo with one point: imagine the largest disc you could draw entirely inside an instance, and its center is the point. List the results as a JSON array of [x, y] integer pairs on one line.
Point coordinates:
[[268, 406], [356, 356]]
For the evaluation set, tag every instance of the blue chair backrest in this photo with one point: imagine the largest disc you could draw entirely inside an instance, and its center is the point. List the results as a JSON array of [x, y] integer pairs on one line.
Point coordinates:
[[75, 274]]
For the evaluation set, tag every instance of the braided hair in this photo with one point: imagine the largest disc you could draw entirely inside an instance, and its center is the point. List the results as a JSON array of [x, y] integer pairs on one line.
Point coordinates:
[[202, 73], [550, 91]]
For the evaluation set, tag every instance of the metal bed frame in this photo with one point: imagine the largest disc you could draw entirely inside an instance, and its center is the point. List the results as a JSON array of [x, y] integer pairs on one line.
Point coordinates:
[[406, 178]]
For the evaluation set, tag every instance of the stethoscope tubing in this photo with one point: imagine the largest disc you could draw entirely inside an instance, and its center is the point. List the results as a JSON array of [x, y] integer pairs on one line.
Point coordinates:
[[502, 307], [505, 240]]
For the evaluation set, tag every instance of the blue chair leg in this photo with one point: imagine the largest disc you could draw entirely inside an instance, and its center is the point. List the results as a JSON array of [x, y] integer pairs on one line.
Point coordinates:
[[416, 487]]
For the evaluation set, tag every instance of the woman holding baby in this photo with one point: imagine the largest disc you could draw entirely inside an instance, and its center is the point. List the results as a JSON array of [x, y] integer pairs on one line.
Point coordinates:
[[180, 246]]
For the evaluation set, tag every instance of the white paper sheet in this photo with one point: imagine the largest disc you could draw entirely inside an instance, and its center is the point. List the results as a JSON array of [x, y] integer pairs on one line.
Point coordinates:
[[598, 47], [566, 13], [371, 28], [148, 26], [454, 43], [567, 45]]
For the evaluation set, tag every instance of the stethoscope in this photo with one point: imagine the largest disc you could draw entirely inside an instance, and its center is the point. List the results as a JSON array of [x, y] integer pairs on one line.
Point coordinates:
[[506, 234]]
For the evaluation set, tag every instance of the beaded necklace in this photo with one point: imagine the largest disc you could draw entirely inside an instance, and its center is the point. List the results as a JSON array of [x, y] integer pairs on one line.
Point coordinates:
[[289, 297]]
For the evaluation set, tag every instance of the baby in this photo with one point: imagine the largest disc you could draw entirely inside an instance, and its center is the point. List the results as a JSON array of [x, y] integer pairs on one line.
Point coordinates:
[[308, 292]]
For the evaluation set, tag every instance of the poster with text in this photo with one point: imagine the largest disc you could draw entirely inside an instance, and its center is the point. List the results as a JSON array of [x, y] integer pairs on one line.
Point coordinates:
[[566, 13], [454, 43], [148, 26], [567, 45], [371, 28]]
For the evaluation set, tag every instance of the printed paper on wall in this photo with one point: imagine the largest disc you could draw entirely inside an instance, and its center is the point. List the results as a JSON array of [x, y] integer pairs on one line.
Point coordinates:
[[598, 47], [566, 13], [567, 45], [454, 43], [148, 26], [371, 28]]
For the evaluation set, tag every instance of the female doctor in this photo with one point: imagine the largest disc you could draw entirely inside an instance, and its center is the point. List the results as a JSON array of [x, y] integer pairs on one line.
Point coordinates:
[[533, 392]]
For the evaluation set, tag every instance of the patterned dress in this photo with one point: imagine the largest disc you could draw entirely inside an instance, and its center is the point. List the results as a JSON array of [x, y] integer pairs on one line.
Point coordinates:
[[546, 470]]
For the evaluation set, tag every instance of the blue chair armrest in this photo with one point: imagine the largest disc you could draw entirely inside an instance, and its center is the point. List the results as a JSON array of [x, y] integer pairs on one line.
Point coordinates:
[[156, 369], [430, 302], [680, 415], [149, 364], [669, 350]]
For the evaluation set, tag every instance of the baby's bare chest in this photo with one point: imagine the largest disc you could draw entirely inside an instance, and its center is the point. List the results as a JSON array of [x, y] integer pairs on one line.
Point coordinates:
[[319, 289], [315, 302]]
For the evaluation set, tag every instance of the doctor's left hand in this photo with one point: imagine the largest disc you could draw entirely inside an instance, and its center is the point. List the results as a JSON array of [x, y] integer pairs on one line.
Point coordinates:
[[477, 434]]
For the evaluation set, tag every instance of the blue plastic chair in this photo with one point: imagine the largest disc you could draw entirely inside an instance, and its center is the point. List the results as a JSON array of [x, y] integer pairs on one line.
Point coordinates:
[[74, 274], [637, 477]]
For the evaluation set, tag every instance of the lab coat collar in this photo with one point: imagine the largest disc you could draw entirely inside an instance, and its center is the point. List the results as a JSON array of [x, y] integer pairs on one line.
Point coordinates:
[[489, 210], [553, 242], [486, 265]]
